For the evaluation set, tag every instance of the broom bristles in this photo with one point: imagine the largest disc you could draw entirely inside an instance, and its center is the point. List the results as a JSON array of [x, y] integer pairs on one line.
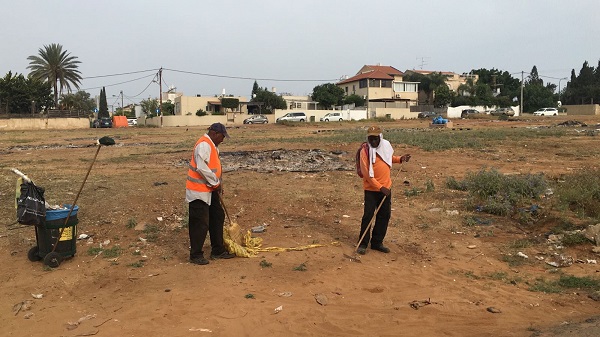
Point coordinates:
[[235, 232]]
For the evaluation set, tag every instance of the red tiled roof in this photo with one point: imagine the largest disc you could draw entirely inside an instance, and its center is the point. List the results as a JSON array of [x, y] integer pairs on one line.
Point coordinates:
[[386, 69], [375, 75]]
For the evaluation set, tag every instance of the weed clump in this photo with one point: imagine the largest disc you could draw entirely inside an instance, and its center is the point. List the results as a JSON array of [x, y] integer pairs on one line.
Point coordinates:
[[495, 193], [580, 192]]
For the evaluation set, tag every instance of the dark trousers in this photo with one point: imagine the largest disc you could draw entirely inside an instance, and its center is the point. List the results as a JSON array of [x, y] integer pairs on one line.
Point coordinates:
[[206, 219], [372, 201]]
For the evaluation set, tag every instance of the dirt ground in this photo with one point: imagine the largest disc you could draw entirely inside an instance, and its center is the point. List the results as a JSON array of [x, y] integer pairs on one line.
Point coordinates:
[[442, 278]]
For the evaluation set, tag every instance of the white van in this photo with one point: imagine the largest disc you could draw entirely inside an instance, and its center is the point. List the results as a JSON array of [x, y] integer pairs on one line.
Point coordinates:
[[332, 116], [292, 117]]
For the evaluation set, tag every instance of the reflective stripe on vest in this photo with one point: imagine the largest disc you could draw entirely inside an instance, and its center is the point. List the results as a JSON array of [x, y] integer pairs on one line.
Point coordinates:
[[195, 181]]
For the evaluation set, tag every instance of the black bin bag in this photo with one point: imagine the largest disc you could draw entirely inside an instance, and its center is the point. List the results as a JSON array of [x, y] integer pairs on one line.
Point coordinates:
[[31, 205]]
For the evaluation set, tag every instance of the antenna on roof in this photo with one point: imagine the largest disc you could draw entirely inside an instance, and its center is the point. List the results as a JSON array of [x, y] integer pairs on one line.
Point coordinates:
[[423, 62]]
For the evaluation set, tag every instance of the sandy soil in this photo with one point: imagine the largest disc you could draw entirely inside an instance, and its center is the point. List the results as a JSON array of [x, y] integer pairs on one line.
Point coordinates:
[[442, 278]]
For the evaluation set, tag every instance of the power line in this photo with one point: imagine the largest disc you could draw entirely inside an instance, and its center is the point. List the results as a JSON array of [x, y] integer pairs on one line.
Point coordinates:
[[128, 73], [112, 85], [250, 78]]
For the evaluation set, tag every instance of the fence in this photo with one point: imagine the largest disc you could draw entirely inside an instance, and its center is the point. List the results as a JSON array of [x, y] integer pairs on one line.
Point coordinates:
[[49, 114]]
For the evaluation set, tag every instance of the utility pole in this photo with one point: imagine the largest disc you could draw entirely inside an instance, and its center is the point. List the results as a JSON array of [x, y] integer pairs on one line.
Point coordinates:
[[521, 105], [160, 96], [122, 107]]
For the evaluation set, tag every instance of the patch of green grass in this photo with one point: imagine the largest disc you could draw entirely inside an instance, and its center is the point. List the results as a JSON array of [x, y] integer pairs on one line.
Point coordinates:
[[544, 286], [92, 251], [520, 244], [111, 253], [151, 232], [513, 260], [429, 186], [574, 239], [580, 192], [265, 264], [131, 223], [413, 192], [249, 296], [498, 276], [301, 267], [495, 193], [565, 282], [471, 275], [137, 264]]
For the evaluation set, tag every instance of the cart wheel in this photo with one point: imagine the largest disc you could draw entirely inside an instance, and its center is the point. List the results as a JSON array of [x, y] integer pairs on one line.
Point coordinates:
[[34, 254], [53, 259]]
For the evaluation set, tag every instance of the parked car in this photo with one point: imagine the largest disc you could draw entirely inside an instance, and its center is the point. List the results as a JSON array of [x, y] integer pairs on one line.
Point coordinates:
[[546, 112], [503, 112], [131, 121], [256, 119], [292, 117], [103, 122], [465, 113], [426, 114], [332, 116]]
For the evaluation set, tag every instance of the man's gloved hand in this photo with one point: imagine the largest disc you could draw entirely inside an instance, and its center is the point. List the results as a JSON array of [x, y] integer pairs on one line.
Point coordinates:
[[386, 191], [405, 158]]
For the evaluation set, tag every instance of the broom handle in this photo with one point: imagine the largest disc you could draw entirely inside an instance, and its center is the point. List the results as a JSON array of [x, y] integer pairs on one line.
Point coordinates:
[[225, 209], [370, 223]]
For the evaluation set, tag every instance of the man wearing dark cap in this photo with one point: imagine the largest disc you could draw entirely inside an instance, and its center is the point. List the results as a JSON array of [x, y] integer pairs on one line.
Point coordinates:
[[375, 165], [203, 193]]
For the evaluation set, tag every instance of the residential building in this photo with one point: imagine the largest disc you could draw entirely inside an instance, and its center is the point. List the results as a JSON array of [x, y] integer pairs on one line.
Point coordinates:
[[453, 81], [383, 89], [188, 105]]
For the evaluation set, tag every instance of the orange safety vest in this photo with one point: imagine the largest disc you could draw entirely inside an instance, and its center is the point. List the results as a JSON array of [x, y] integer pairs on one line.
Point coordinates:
[[195, 181]]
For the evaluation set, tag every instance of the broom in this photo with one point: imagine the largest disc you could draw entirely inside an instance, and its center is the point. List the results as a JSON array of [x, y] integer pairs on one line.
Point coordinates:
[[234, 230]]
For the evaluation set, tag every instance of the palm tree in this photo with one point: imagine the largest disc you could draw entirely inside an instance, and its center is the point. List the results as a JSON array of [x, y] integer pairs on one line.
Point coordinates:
[[57, 67]]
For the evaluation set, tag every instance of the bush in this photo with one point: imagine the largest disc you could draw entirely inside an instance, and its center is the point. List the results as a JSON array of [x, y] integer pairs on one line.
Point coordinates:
[[495, 193], [580, 192]]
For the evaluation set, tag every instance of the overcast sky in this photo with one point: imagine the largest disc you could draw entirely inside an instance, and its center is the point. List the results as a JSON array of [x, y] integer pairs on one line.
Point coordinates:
[[205, 46]]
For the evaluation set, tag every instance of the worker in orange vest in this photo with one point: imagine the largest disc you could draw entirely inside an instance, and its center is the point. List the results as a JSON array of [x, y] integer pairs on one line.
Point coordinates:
[[203, 193], [376, 165]]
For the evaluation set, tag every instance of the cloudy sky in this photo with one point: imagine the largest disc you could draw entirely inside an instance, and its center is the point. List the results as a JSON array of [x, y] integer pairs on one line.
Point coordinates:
[[205, 46]]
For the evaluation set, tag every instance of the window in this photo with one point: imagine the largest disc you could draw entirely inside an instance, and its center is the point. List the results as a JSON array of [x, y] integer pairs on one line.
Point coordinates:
[[406, 86], [374, 83], [346, 90], [386, 83], [362, 83]]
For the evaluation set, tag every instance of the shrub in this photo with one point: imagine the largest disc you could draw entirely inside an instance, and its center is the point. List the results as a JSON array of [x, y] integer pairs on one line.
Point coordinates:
[[580, 192], [495, 193]]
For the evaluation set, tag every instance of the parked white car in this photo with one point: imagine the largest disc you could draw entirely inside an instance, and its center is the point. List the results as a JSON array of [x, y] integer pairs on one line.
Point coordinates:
[[546, 112], [132, 121], [332, 116]]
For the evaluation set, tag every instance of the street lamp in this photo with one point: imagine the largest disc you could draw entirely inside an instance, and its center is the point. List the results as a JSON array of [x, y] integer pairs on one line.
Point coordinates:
[[560, 79]]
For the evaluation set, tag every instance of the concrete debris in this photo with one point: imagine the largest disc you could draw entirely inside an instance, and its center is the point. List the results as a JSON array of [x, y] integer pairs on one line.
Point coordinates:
[[560, 261], [592, 233], [321, 299]]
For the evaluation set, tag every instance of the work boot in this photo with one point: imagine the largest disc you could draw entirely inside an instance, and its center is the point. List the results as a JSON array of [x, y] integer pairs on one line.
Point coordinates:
[[223, 255], [380, 248], [199, 260], [362, 250]]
